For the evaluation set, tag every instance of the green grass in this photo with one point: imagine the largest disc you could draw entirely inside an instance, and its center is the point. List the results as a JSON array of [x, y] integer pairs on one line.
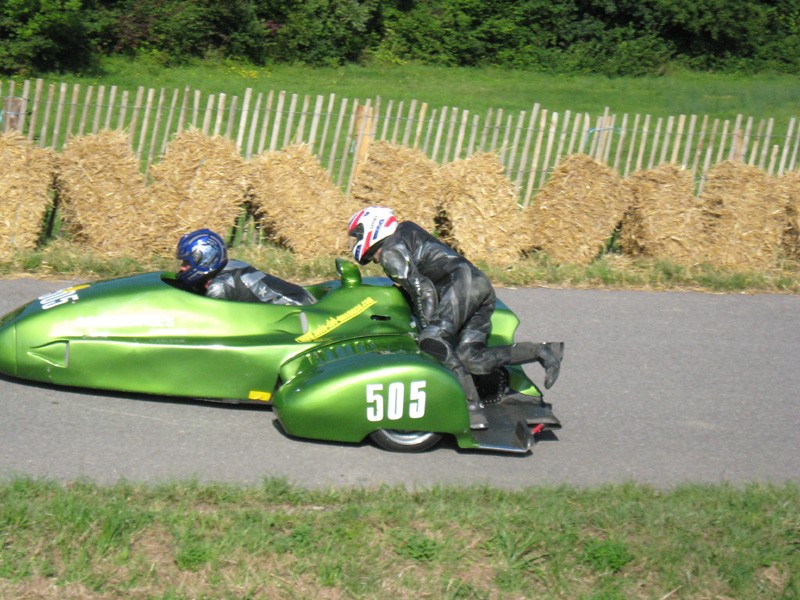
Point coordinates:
[[184, 539], [61, 260], [679, 92]]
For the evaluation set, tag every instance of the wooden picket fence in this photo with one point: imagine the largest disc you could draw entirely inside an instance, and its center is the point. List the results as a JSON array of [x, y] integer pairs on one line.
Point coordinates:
[[530, 144]]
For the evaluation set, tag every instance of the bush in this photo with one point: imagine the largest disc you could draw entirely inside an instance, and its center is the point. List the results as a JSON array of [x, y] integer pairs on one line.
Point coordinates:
[[625, 37], [185, 29], [45, 35], [324, 32], [628, 55]]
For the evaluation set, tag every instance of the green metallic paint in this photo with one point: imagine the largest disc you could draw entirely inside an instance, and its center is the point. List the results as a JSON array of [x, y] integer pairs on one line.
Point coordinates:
[[325, 367], [332, 399]]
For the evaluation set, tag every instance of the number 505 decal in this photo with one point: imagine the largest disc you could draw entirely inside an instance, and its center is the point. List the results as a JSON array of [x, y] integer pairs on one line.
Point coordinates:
[[390, 402]]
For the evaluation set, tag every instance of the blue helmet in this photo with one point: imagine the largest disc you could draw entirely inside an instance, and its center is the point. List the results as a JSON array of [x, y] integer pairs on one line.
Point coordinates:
[[202, 254]]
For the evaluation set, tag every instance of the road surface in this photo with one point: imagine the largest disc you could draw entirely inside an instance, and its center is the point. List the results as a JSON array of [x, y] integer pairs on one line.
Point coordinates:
[[656, 387]]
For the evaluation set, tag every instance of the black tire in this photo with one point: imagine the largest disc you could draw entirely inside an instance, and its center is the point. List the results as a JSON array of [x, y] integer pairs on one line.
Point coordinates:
[[404, 441]]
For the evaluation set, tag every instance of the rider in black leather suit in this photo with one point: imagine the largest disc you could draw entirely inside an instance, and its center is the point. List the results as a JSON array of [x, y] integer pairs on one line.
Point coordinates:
[[205, 269], [451, 298], [242, 282]]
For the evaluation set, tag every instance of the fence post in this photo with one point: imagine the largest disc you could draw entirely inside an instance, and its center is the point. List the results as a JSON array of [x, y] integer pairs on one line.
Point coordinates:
[[364, 117], [59, 111], [12, 114]]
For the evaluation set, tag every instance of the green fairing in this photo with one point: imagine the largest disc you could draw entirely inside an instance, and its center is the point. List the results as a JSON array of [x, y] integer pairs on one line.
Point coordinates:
[[359, 387], [336, 370]]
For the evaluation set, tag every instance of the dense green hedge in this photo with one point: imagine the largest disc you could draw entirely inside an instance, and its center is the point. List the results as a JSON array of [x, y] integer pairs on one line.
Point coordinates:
[[612, 37]]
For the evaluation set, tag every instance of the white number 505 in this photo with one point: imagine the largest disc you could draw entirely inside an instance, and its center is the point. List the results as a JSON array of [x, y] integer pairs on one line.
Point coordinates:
[[392, 405]]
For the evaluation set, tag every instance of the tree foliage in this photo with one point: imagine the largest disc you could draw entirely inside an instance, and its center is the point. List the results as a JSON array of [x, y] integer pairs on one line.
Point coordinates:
[[37, 35], [612, 37]]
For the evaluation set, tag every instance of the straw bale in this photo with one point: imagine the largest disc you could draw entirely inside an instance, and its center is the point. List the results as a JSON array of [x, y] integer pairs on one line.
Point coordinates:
[[401, 178], [789, 188], [26, 181], [744, 217], [298, 206], [576, 211], [200, 182], [664, 217], [103, 197], [480, 208]]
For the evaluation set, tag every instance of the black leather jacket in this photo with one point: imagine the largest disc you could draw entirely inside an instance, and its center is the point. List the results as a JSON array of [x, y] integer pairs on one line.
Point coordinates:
[[422, 265], [244, 283]]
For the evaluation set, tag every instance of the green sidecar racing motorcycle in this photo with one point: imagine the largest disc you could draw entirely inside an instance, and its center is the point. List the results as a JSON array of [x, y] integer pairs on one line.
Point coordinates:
[[344, 369]]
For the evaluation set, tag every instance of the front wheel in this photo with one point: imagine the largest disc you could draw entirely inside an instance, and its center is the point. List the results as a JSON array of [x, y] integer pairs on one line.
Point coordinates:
[[404, 441]]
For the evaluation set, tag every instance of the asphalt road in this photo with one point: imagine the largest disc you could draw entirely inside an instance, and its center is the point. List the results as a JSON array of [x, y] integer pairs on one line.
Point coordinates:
[[658, 388]]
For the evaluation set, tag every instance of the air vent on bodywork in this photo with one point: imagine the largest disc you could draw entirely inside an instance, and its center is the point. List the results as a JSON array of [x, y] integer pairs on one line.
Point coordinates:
[[342, 350], [332, 353], [56, 354]]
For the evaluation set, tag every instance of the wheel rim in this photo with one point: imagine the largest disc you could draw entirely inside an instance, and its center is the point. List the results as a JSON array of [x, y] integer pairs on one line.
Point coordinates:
[[408, 438]]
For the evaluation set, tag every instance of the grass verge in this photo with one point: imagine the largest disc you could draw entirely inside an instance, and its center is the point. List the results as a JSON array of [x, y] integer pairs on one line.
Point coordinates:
[[187, 540], [62, 260]]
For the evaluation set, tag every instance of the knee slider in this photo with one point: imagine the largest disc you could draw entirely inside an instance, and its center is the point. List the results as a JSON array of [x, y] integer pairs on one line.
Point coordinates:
[[434, 347]]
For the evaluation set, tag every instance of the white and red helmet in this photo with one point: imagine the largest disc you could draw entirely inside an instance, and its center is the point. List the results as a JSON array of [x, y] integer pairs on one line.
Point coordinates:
[[370, 226]]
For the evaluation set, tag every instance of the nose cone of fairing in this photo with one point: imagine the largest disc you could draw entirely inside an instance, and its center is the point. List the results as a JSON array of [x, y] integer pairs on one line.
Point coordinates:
[[8, 349]]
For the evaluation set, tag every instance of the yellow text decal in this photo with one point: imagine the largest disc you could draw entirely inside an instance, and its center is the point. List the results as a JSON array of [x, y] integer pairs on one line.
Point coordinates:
[[336, 321]]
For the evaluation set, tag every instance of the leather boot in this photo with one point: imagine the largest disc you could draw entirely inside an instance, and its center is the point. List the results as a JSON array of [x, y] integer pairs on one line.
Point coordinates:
[[548, 355]]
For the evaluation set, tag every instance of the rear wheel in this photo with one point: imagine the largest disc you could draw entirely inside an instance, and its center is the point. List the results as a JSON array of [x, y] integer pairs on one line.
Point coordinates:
[[404, 441]]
